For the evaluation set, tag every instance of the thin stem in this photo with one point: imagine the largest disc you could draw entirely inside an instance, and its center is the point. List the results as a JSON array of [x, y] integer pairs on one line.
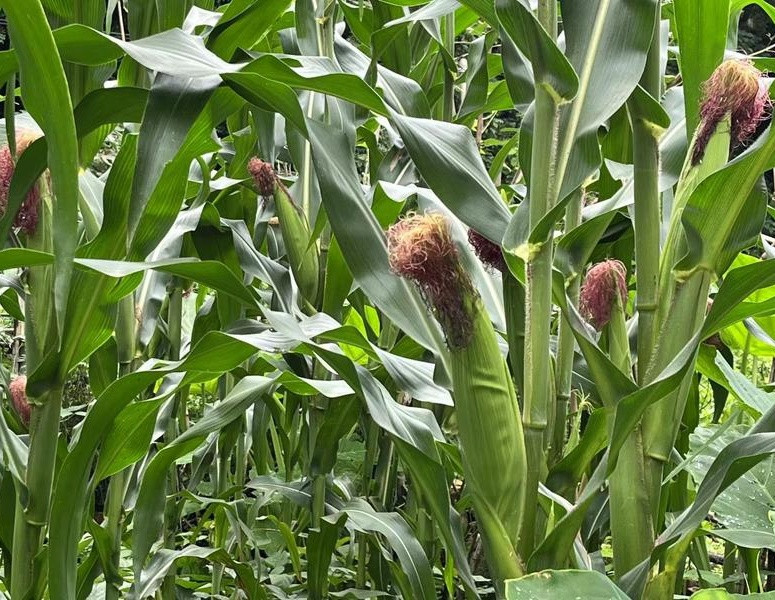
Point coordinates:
[[114, 509], [537, 371], [114, 512], [31, 519], [547, 16], [730, 565], [222, 459], [372, 439], [566, 342], [647, 210], [662, 420], [175, 332]]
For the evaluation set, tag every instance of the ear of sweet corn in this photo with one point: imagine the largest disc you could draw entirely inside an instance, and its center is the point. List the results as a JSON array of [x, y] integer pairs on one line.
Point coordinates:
[[302, 256], [490, 430], [421, 249], [302, 253]]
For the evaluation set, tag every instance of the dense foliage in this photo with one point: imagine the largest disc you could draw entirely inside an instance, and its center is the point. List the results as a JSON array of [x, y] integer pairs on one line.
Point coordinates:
[[397, 298]]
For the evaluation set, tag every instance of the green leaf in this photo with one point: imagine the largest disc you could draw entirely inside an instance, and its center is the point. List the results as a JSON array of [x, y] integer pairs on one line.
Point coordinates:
[[316, 74], [746, 504], [448, 159], [362, 240], [153, 574], [246, 28], [550, 66], [606, 42], [128, 439], [722, 594], [740, 284], [733, 461], [47, 98], [716, 237], [399, 535], [320, 549], [174, 132], [548, 585], [701, 28], [402, 94]]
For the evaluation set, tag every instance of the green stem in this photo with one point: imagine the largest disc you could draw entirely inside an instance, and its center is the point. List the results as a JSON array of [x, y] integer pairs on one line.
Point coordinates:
[[30, 521], [752, 572], [730, 565], [547, 16], [662, 420], [117, 487], [514, 306], [318, 499], [175, 332], [746, 352], [387, 468], [538, 395], [114, 512], [566, 342], [372, 439], [647, 209], [630, 504]]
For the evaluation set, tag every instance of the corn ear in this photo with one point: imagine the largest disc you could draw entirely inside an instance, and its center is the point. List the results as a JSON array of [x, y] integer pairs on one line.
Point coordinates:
[[302, 255], [490, 430]]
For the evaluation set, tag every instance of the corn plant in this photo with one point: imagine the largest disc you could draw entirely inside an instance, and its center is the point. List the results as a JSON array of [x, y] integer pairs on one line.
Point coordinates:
[[411, 299]]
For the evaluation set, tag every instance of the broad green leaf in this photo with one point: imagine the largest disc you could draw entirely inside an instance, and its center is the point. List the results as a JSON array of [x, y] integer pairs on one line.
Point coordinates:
[[746, 504], [744, 389], [244, 29], [701, 28], [739, 284], [269, 95], [174, 132], [363, 242], [320, 549], [550, 66], [447, 157], [716, 237], [606, 42], [46, 97], [128, 439], [172, 52], [722, 594], [400, 537], [402, 94], [548, 585], [733, 461], [316, 74]]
